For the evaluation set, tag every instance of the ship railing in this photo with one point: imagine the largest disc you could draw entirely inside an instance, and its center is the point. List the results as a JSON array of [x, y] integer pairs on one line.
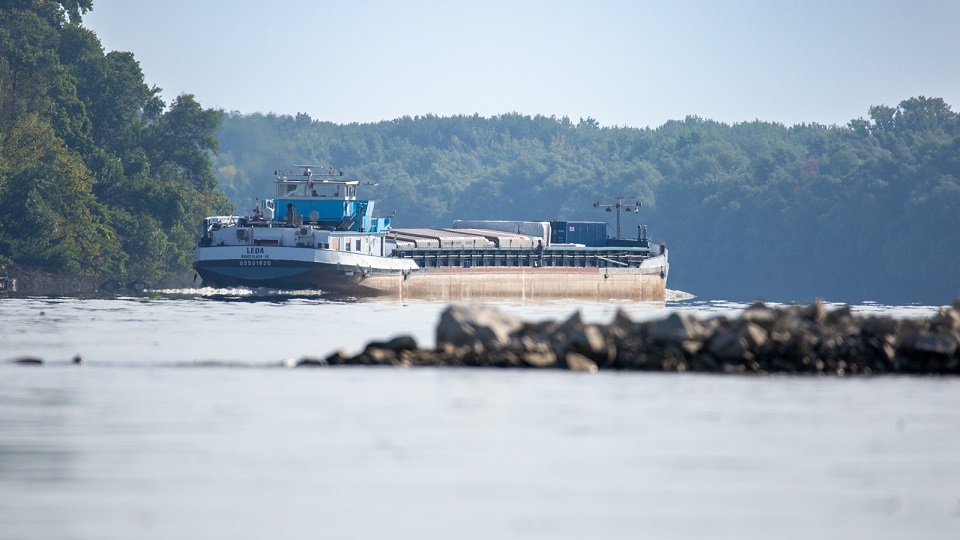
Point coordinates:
[[480, 257], [611, 261]]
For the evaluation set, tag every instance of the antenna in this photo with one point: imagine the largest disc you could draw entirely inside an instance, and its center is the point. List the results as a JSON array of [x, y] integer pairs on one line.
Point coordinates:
[[322, 170], [620, 206]]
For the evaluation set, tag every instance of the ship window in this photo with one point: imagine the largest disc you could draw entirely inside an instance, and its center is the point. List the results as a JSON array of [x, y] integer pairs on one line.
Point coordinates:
[[325, 190], [358, 245]]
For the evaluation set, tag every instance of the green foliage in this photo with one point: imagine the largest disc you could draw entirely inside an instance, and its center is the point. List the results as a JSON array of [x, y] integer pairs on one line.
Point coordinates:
[[55, 14], [179, 142], [97, 175], [54, 221], [866, 211]]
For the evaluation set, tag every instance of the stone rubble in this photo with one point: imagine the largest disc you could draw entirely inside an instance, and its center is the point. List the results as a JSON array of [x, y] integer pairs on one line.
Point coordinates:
[[793, 339]]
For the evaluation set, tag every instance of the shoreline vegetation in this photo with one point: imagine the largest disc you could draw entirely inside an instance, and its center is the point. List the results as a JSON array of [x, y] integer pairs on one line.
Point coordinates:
[[25, 281]]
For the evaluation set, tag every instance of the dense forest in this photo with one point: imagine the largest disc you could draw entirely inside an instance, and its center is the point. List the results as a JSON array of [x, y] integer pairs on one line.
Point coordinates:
[[98, 176], [861, 212]]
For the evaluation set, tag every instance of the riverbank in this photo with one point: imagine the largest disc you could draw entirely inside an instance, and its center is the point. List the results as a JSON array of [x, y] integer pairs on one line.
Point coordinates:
[[762, 340], [36, 282]]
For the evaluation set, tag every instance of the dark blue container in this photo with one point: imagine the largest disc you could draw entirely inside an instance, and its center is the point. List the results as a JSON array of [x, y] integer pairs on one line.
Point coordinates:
[[588, 233]]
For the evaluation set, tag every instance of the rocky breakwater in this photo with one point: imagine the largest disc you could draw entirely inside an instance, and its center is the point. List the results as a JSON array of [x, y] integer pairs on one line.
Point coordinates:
[[809, 339]]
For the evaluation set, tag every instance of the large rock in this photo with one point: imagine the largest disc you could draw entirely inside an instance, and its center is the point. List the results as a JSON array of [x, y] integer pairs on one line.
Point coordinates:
[[928, 342], [754, 335], [946, 320], [739, 342], [477, 326], [589, 341], [878, 326], [815, 311], [578, 362], [758, 313], [397, 344], [674, 328], [536, 359], [622, 325], [726, 344], [28, 361]]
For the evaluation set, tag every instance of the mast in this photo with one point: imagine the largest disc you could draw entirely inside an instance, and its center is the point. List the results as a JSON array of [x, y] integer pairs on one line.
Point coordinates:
[[620, 206]]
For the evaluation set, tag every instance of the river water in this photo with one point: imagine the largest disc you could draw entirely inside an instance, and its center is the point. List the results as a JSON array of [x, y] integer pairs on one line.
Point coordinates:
[[184, 423]]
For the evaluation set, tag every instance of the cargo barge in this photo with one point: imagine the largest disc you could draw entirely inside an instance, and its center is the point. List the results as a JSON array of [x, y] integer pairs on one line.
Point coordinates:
[[317, 234]]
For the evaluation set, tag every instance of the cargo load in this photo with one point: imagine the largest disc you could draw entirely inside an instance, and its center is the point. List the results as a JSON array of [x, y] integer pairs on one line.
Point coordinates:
[[587, 233], [540, 229]]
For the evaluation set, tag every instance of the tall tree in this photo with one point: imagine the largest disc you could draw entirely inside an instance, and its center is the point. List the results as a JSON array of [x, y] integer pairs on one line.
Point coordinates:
[[179, 143], [101, 177]]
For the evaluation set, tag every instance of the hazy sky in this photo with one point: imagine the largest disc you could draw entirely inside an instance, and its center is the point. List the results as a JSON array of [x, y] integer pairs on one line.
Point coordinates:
[[634, 63]]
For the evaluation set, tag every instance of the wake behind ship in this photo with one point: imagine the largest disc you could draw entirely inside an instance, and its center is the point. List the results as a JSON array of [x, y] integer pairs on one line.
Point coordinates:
[[316, 234]]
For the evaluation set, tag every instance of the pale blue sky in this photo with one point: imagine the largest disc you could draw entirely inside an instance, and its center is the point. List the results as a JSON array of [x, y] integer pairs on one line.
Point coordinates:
[[636, 63]]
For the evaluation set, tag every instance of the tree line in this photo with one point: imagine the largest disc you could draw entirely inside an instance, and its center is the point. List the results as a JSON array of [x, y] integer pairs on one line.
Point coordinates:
[[865, 211], [98, 175]]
